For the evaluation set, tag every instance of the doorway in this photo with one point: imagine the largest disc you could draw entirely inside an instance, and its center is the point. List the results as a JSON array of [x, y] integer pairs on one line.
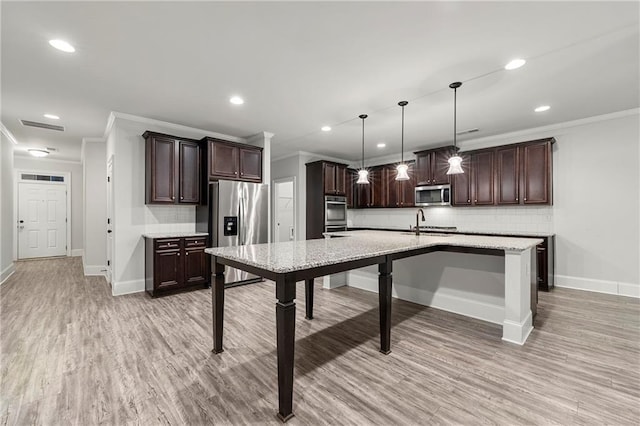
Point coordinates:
[[284, 209], [42, 217]]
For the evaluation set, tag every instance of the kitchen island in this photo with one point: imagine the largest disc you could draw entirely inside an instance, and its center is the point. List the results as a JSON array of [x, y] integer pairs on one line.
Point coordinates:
[[289, 262]]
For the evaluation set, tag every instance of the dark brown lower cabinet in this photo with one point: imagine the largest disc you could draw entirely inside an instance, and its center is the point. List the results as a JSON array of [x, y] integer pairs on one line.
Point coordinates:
[[173, 264]]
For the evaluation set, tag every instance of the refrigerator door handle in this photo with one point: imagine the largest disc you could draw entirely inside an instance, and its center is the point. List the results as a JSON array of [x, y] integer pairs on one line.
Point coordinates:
[[241, 220]]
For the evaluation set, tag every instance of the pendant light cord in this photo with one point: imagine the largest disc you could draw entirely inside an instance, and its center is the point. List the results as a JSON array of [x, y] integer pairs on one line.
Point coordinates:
[[363, 116], [455, 132], [402, 139]]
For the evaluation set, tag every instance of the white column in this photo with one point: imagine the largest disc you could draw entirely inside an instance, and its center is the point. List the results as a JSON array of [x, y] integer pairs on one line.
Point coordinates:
[[263, 139], [518, 321]]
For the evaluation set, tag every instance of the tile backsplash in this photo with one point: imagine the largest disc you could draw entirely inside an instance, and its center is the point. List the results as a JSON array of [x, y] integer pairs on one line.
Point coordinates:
[[504, 219], [169, 218]]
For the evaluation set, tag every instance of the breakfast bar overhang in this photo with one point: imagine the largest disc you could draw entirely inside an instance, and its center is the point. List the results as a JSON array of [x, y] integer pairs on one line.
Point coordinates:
[[289, 262]]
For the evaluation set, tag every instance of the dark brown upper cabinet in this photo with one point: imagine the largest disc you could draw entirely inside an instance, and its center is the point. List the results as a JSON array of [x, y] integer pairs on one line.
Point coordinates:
[[350, 186], [482, 178], [172, 169], [524, 173], [536, 174], [233, 161], [475, 187], [400, 193], [334, 177], [432, 166]]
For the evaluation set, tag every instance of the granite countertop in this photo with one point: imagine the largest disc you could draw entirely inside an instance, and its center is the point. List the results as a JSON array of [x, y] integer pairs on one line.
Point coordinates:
[[156, 235], [454, 230], [300, 255]]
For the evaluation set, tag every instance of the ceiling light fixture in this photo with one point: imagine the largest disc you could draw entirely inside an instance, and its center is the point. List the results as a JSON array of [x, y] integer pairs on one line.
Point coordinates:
[[542, 108], [52, 116], [455, 162], [325, 128], [38, 152], [515, 64], [381, 145], [236, 100], [62, 45], [363, 173], [402, 167]]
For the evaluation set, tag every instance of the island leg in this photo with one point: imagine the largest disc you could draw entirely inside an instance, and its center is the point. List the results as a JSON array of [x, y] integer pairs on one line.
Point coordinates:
[[286, 328], [384, 296], [217, 303], [308, 296], [518, 321]]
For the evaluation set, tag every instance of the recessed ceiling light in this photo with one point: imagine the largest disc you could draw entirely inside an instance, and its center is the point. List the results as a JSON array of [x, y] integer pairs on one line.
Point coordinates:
[[325, 128], [542, 108], [236, 100], [52, 116], [516, 63], [381, 145], [62, 45], [38, 152]]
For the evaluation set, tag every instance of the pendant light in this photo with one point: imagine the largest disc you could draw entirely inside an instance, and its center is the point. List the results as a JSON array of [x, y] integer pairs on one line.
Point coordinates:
[[363, 173], [402, 167], [455, 162]]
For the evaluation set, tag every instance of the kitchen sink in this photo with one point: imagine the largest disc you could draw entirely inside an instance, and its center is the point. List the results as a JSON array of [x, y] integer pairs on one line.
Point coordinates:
[[428, 234]]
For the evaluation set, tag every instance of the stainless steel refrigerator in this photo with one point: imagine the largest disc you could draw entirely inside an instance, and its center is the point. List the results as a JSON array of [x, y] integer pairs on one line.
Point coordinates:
[[236, 214]]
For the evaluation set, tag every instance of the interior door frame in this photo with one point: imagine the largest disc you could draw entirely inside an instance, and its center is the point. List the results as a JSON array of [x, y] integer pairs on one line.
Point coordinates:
[[109, 267], [18, 179], [274, 204]]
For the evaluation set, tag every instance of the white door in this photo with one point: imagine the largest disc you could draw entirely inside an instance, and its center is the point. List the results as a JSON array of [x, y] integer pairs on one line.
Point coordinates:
[[42, 220], [284, 210], [108, 273]]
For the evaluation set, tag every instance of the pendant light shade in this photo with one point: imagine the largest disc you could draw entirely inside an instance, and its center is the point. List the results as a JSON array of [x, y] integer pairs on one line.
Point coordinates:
[[402, 168], [455, 162], [363, 174]]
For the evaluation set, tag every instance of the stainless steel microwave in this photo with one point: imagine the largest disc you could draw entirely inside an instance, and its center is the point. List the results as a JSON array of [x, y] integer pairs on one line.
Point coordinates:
[[435, 195]]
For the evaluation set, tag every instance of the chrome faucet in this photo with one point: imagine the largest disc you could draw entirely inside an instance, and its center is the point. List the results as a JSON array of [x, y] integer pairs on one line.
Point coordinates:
[[420, 212]]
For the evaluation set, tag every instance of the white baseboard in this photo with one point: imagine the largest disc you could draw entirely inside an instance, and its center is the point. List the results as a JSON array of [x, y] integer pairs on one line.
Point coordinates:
[[439, 300], [598, 286], [629, 290], [127, 287], [7, 272], [77, 252], [94, 270]]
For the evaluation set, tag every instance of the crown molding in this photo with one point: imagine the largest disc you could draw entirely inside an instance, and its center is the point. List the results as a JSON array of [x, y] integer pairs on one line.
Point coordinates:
[[8, 134], [472, 143], [312, 154], [113, 115]]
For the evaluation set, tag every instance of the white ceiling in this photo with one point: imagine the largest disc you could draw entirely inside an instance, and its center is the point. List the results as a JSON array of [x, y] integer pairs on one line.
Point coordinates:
[[301, 65]]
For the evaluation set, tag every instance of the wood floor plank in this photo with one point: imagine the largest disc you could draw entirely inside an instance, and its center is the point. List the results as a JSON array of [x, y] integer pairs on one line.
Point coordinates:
[[70, 353]]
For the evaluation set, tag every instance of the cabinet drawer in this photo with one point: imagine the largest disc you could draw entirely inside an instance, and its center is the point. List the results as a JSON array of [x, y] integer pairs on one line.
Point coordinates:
[[169, 243], [195, 242]]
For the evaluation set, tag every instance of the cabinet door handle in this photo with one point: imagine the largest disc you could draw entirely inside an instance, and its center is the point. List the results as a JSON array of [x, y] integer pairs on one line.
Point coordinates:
[[516, 198], [525, 198], [178, 254], [475, 201], [182, 197], [235, 173], [186, 254], [468, 201], [173, 198]]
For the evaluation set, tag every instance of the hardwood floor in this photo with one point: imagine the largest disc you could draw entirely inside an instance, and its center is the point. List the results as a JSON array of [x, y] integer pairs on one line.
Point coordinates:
[[73, 354]]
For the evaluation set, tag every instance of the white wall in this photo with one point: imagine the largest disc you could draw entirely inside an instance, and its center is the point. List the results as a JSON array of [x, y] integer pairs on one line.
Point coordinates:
[[294, 166], [94, 170], [596, 211], [75, 169], [7, 222], [132, 217]]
